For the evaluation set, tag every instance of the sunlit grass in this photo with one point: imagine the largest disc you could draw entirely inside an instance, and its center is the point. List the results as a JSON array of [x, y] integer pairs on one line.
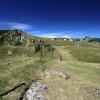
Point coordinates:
[[85, 54], [24, 65]]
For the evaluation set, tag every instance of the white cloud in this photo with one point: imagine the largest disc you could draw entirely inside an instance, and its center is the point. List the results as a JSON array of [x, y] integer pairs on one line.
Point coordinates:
[[56, 35], [14, 25], [50, 34], [66, 36]]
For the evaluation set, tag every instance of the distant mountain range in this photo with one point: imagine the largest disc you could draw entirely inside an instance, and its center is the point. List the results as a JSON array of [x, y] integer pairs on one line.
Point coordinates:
[[18, 37], [91, 39]]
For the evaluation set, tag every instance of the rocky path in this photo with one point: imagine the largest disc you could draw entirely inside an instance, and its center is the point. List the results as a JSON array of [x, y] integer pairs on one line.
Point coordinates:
[[57, 83], [39, 88]]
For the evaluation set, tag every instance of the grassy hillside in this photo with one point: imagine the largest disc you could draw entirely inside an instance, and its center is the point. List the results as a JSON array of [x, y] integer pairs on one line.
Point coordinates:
[[85, 54], [70, 43], [16, 38], [82, 63], [22, 66], [85, 76]]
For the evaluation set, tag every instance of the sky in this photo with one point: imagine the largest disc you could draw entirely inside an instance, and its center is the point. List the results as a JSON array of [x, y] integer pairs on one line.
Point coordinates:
[[52, 18]]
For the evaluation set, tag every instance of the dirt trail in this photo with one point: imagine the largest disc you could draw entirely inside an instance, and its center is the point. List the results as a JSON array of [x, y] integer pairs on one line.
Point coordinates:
[[55, 84], [39, 88]]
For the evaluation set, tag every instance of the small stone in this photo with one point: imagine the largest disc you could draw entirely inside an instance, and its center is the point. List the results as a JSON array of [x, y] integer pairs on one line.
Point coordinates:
[[98, 91]]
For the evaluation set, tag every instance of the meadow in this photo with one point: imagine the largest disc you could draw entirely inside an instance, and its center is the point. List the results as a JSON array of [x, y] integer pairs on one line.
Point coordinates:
[[81, 63]]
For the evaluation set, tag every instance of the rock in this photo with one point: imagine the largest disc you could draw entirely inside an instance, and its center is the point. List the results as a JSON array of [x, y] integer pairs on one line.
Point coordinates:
[[66, 77], [38, 89], [47, 73], [98, 92], [35, 92]]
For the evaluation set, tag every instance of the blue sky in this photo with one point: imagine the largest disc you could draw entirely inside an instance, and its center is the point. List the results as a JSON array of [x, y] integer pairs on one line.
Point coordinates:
[[52, 18]]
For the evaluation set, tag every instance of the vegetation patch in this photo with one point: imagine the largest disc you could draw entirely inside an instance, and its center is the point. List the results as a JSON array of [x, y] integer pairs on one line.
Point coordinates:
[[85, 54]]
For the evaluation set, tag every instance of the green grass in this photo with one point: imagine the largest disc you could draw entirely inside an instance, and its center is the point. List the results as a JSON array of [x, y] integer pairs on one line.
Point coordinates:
[[18, 72], [3, 83], [18, 69], [23, 72], [83, 62], [85, 54], [70, 43], [16, 51], [84, 76], [85, 70]]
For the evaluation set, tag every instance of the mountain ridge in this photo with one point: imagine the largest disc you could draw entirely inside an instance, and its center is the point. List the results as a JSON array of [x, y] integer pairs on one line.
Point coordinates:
[[14, 37]]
